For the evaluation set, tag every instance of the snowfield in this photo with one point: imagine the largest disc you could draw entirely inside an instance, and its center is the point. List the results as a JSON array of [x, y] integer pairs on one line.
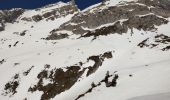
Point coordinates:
[[163, 96], [144, 72]]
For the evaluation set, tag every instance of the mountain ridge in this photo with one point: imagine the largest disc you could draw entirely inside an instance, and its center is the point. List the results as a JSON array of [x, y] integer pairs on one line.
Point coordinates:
[[112, 50]]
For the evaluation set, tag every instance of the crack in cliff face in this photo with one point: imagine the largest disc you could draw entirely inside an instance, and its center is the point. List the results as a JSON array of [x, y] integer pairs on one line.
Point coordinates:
[[61, 79], [158, 40], [141, 14]]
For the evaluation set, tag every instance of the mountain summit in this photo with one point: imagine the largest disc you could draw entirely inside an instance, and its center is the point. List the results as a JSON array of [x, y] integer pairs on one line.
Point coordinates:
[[113, 50]]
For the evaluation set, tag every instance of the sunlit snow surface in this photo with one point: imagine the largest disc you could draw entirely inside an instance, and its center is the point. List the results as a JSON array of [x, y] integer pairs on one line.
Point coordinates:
[[150, 67]]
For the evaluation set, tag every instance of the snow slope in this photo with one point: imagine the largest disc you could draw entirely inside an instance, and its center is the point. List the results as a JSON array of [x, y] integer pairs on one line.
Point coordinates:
[[143, 71]]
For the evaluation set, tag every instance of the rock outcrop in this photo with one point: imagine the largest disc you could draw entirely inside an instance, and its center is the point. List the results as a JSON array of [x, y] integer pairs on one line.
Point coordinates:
[[9, 16], [141, 14]]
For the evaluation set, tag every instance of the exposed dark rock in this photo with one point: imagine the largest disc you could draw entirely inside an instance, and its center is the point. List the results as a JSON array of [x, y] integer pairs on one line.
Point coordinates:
[[11, 86], [131, 11], [143, 43], [2, 27], [162, 39], [157, 40], [23, 33], [15, 64], [48, 14], [25, 99], [17, 33], [107, 55], [2, 61], [37, 18], [47, 66], [160, 7], [130, 75], [27, 72], [166, 48], [113, 83], [10, 15], [16, 43], [53, 14], [98, 62], [116, 28], [27, 19], [57, 36], [9, 46], [61, 81], [145, 22]]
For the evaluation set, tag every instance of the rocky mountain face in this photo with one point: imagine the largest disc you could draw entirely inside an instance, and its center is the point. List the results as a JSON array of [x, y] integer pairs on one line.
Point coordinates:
[[112, 50], [9, 16], [130, 12]]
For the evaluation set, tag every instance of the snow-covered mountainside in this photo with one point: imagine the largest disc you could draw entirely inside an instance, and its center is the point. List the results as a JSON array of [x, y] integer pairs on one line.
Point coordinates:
[[114, 50]]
